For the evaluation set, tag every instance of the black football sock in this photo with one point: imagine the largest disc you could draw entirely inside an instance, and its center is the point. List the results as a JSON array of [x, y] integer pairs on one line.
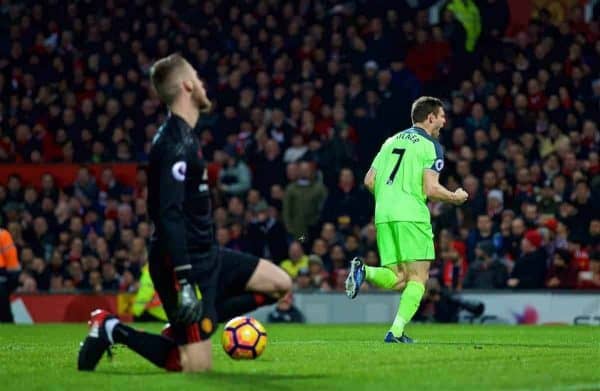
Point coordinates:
[[242, 304], [155, 348]]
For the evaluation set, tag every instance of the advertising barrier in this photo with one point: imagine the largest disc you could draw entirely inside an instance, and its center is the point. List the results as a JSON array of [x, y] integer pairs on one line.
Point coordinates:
[[506, 308], [53, 308]]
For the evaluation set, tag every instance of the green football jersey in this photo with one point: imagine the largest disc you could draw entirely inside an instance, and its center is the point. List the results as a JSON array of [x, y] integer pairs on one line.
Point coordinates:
[[399, 167]]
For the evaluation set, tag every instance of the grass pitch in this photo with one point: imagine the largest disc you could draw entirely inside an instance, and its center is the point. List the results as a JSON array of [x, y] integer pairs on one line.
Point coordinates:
[[332, 357]]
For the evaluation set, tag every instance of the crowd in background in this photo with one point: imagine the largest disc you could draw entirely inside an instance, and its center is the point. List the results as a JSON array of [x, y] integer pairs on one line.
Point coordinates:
[[304, 93]]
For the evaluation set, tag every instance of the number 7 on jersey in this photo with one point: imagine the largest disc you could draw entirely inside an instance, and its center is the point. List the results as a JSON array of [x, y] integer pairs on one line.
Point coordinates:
[[400, 153]]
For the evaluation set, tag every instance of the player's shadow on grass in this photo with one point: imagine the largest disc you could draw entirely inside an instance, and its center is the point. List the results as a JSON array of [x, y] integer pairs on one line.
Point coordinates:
[[271, 381], [220, 376], [272, 376], [127, 372]]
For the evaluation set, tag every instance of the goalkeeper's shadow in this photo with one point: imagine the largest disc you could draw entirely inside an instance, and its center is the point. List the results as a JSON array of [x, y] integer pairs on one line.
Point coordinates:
[[267, 381]]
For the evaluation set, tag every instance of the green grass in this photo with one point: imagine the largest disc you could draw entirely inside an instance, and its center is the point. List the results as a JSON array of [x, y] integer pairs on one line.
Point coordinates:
[[332, 357]]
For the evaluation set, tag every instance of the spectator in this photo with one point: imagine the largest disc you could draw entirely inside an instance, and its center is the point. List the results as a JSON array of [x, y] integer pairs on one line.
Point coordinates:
[[348, 204], [486, 272], [476, 204], [319, 278], [530, 269], [235, 177], [125, 217], [548, 201], [109, 232], [270, 161], [352, 247], [110, 278], [303, 281], [495, 205], [236, 210], [223, 237], [320, 249], [94, 283], [303, 202], [590, 279], [483, 232], [467, 13], [14, 189], [295, 151], [85, 188], [340, 263], [31, 202], [477, 120], [27, 283], [512, 243], [266, 236], [40, 273], [110, 188], [297, 260], [562, 273], [40, 238], [330, 235], [286, 312], [369, 237], [454, 261]]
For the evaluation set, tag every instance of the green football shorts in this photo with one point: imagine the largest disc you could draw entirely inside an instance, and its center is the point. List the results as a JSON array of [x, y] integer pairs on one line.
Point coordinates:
[[404, 241]]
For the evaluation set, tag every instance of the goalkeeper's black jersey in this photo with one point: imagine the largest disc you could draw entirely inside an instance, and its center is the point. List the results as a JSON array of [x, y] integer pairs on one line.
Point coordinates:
[[178, 195]]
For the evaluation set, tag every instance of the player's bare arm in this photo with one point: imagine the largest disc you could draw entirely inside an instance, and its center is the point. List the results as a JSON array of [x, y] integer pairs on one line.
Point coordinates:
[[369, 180], [436, 191]]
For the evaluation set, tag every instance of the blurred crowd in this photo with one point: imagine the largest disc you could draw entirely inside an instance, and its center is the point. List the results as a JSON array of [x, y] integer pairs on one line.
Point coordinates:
[[305, 92]]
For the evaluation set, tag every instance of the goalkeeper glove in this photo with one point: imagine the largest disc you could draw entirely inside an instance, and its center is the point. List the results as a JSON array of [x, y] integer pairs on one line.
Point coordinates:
[[189, 307]]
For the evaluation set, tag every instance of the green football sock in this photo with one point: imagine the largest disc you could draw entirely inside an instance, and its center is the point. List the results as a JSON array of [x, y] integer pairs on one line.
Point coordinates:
[[381, 277], [409, 303]]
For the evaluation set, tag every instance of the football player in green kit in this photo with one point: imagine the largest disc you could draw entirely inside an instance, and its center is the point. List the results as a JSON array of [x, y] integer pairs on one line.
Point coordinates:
[[403, 175]]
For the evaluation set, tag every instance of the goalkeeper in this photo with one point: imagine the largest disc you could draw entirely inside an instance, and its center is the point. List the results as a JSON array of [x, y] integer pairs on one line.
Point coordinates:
[[191, 273]]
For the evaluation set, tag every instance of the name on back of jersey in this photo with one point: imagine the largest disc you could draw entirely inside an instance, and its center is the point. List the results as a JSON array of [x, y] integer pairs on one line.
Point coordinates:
[[412, 137]]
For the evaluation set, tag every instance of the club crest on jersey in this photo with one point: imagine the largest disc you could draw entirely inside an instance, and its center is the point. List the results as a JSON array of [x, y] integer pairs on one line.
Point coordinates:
[[178, 170], [439, 164]]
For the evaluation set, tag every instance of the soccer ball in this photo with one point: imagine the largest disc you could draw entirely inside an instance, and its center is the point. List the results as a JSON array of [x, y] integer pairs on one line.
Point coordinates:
[[244, 338]]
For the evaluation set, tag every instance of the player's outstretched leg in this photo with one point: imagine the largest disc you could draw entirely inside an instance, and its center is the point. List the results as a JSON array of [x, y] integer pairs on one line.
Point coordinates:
[[261, 283], [106, 330], [418, 273], [382, 277], [246, 283], [269, 279]]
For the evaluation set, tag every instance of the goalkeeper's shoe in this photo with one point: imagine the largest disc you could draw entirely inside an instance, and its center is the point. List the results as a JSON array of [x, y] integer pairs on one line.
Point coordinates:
[[96, 343], [355, 277], [391, 338]]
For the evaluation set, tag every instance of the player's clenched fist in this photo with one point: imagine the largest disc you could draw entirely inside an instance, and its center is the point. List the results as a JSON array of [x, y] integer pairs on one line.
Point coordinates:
[[189, 306], [460, 196]]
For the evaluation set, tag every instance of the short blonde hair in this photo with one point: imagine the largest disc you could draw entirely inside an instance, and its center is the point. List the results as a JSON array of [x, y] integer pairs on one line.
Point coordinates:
[[163, 76]]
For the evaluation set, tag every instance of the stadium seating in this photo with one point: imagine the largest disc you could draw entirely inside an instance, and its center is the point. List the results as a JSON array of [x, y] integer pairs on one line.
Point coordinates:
[[303, 91]]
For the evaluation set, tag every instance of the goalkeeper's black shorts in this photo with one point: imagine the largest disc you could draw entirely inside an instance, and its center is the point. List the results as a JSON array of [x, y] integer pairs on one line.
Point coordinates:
[[219, 273]]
